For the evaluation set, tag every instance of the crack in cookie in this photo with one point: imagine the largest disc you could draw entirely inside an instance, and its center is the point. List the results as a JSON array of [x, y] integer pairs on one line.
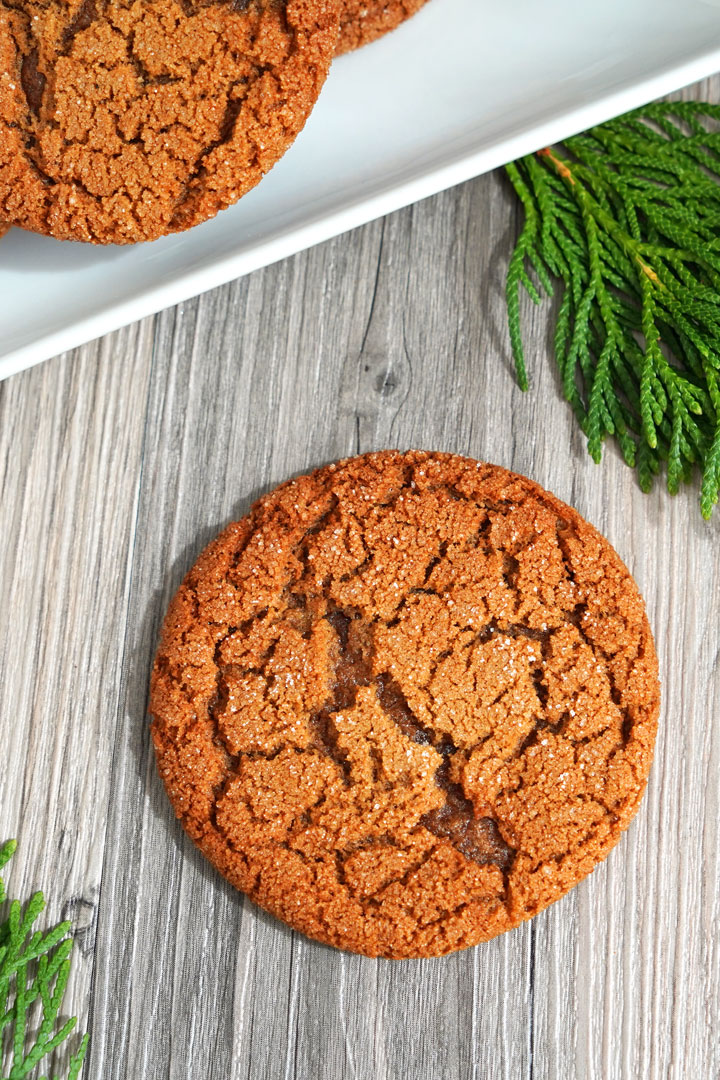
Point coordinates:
[[476, 838]]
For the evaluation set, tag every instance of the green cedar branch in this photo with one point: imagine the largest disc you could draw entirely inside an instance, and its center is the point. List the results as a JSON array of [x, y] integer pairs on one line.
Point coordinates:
[[33, 966], [625, 218]]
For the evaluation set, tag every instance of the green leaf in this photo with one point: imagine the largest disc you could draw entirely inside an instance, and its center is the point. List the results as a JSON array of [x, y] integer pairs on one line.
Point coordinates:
[[626, 218], [34, 967]]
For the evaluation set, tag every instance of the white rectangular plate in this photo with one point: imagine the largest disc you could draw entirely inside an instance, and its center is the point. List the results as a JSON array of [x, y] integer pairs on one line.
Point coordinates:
[[463, 87]]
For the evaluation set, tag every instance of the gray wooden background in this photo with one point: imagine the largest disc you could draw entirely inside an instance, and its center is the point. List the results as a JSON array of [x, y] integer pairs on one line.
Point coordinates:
[[118, 462]]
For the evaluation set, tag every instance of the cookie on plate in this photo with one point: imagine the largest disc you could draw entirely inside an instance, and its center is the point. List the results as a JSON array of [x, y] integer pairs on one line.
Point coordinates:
[[362, 21], [406, 703], [124, 120]]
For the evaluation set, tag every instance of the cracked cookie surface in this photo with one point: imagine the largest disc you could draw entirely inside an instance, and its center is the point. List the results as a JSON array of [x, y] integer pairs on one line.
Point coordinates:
[[125, 120], [362, 21], [406, 703]]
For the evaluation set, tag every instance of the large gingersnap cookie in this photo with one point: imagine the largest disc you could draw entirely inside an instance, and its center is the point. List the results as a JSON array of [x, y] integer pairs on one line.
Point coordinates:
[[406, 703], [362, 21], [124, 120]]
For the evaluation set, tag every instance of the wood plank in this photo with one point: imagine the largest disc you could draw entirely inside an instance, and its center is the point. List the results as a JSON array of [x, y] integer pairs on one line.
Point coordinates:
[[70, 441]]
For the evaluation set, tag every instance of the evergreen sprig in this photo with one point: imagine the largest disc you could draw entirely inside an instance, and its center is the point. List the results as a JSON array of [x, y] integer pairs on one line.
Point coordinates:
[[33, 966], [627, 217]]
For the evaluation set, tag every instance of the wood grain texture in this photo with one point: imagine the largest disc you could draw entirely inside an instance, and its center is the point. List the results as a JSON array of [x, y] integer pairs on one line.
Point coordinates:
[[118, 462]]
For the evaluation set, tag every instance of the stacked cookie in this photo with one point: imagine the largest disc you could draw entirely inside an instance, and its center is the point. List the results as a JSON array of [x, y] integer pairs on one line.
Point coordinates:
[[126, 120], [362, 21]]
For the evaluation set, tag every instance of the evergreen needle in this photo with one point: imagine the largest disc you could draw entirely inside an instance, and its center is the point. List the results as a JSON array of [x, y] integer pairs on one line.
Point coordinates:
[[626, 218], [32, 966]]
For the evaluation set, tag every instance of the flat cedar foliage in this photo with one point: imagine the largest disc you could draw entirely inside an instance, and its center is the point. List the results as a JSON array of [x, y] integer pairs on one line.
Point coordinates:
[[626, 218], [34, 970]]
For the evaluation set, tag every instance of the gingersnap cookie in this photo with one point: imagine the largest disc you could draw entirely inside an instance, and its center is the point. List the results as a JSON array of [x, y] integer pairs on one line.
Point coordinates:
[[406, 703], [362, 21], [124, 120]]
